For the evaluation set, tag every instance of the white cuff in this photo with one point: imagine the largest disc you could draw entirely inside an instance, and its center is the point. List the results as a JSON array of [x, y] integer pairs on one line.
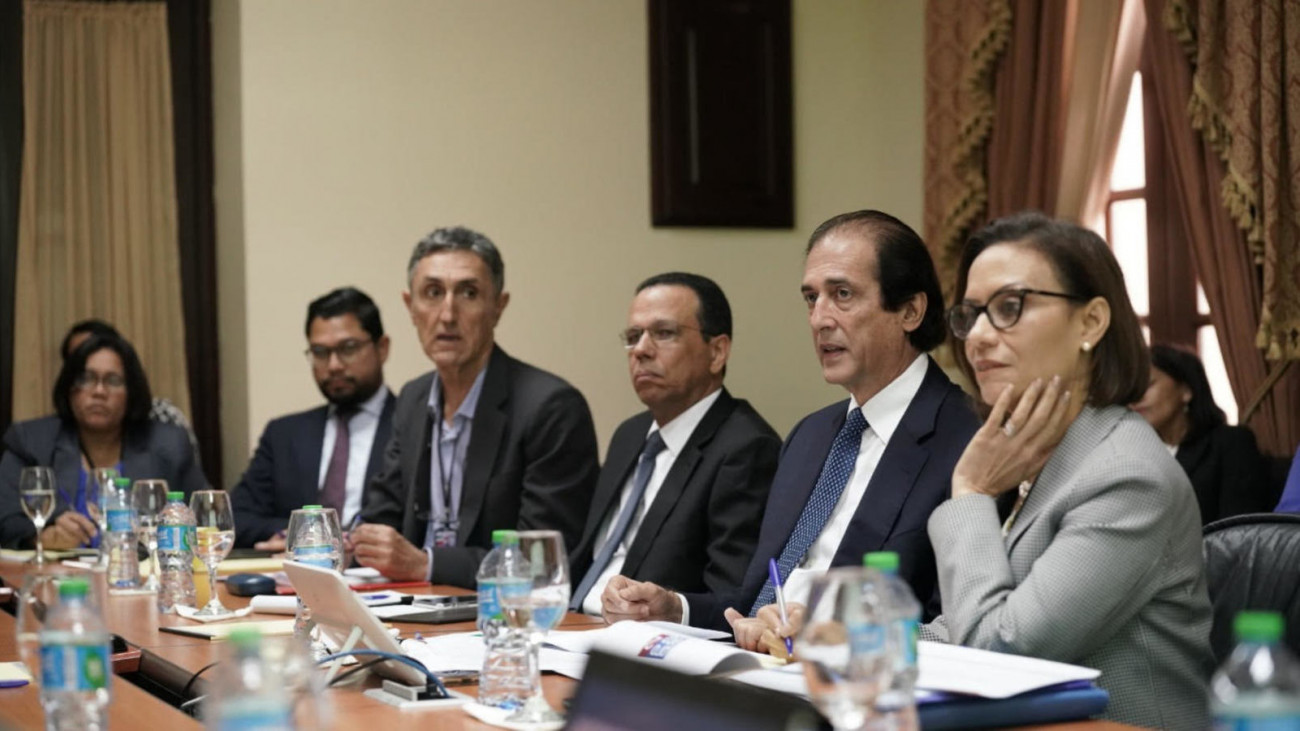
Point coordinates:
[[686, 608], [428, 572]]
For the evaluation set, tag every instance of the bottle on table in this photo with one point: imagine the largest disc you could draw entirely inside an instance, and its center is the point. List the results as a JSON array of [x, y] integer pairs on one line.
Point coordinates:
[[247, 692], [315, 539], [119, 516], [505, 680], [902, 612], [75, 666], [1258, 687], [176, 554]]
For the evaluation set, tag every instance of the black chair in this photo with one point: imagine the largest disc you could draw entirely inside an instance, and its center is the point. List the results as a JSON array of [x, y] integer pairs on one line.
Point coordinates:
[[1252, 562]]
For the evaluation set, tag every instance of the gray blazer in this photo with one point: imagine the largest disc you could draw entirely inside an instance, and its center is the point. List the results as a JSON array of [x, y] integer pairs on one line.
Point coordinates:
[[1102, 568], [154, 450]]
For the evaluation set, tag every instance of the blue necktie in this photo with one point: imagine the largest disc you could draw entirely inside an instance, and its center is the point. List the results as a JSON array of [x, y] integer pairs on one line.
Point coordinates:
[[830, 485], [646, 467]]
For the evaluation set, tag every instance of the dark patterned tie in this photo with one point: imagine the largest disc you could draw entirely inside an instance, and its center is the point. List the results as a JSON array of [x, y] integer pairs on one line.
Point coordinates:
[[654, 444], [830, 485], [335, 491]]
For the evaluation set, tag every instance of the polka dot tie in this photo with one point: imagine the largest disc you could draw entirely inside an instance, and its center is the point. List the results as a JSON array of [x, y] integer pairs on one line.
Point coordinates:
[[830, 485]]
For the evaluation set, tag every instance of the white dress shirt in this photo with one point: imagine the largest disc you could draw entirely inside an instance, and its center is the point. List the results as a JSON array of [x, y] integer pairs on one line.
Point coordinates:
[[883, 412], [361, 438], [675, 434]]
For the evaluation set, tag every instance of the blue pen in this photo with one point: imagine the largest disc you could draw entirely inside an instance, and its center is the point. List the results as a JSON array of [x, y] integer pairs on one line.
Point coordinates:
[[774, 574]]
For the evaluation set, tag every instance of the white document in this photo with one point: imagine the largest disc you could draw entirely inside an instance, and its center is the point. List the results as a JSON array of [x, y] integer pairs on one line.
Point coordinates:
[[465, 650], [956, 669], [662, 645], [951, 669]]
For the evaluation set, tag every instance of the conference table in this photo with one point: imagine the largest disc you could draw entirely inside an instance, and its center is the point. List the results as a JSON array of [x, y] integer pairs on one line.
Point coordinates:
[[166, 664]]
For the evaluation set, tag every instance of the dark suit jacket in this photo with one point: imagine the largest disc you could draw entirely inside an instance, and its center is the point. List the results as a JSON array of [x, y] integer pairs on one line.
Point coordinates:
[[154, 450], [530, 464], [284, 474], [701, 529], [913, 477], [1227, 472]]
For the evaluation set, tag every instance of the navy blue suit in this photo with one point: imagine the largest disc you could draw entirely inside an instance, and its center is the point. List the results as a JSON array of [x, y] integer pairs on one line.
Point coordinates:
[[913, 477], [285, 471]]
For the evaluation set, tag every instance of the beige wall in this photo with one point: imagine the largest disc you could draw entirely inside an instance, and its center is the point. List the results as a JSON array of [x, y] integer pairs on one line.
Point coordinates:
[[347, 130]]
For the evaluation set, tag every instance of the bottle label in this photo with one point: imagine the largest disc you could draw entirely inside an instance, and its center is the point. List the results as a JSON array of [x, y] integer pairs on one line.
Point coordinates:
[[911, 630], [174, 538], [254, 714], [488, 607], [867, 638], [510, 589], [322, 555], [119, 521], [74, 667]]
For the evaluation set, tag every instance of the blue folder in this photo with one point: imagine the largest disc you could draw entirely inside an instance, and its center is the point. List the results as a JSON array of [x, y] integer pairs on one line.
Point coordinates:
[[1065, 702]]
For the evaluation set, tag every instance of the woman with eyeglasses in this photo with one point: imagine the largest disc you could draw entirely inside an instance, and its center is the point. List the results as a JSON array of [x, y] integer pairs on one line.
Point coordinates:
[[102, 402], [1072, 534]]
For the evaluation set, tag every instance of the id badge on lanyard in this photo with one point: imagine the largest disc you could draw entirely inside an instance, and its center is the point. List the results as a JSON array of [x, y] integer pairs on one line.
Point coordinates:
[[444, 529]]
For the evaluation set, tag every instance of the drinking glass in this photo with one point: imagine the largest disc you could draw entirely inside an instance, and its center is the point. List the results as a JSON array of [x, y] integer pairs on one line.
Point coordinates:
[[314, 538], [99, 489], [538, 610], [843, 653], [36, 486], [214, 537], [149, 497]]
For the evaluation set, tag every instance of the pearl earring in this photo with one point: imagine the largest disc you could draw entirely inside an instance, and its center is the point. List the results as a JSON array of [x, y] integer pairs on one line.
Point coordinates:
[[1086, 347]]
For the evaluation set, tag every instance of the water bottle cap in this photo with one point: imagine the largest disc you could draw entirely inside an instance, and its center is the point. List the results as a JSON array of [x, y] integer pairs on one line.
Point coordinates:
[[73, 587], [1258, 626], [176, 497], [245, 637], [311, 507], [881, 560], [505, 537], [122, 481]]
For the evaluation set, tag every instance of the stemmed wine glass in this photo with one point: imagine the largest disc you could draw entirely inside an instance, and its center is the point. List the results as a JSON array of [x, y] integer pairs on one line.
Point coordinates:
[[99, 490], [36, 486], [843, 653], [538, 611], [214, 537], [149, 497]]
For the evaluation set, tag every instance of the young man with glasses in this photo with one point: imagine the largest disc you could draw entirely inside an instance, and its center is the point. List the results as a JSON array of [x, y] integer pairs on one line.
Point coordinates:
[[324, 455], [680, 498]]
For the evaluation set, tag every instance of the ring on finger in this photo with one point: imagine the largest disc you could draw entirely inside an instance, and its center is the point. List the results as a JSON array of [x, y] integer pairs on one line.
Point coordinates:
[[1009, 429]]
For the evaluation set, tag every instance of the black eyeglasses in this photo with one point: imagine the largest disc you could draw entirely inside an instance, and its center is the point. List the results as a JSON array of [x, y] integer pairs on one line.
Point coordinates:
[[1003, 309], [346, 351], [660, 333]]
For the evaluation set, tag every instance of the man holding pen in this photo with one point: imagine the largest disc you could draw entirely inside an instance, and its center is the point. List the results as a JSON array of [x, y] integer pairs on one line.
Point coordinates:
[[863, 474]]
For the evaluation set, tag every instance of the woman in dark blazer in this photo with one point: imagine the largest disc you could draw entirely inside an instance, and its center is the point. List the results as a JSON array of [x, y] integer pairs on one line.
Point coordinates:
[[1222, 461], [102, 400]]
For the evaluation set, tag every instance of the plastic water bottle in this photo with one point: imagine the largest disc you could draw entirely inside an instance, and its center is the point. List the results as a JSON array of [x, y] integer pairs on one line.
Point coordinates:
[[902, 612], [1258, 686], [75, 667], [176, 554], [247, 692], [505, 679], [316, 540], [123, 561]]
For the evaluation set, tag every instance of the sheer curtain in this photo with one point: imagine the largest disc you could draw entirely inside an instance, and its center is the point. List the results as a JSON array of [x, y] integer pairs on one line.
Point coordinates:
[[97, 213]]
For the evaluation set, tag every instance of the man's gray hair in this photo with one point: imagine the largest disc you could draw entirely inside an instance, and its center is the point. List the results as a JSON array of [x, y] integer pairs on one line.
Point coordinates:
[[459, 238]]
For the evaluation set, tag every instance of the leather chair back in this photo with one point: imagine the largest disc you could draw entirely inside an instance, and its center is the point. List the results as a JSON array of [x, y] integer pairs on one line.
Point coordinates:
[[1252, 562]]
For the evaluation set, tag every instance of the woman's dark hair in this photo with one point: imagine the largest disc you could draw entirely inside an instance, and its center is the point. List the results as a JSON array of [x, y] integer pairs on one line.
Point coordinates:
[[1184, 367], [91, 327], [1086, 268], [139, 399]]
